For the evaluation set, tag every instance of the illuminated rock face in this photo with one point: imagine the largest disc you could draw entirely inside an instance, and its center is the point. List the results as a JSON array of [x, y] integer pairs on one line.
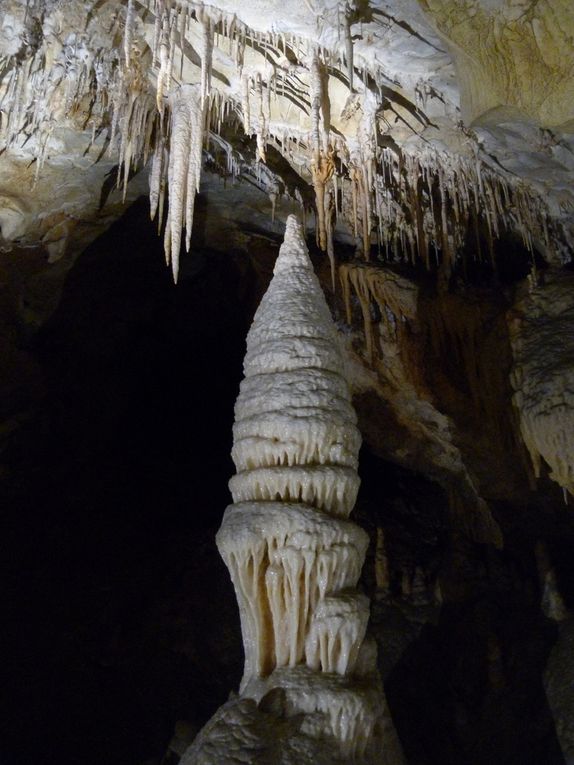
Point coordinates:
[[511, 53], [293, 557], [542, 329], [360, 99]]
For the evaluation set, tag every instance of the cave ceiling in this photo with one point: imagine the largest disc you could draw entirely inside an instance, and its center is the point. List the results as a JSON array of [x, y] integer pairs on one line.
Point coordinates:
[[400, 124]]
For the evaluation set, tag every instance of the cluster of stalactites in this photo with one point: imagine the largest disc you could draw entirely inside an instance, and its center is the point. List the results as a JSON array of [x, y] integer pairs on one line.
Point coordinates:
[[395, 299], [182, 163], [259, 84], [293, 557], [389, 305], [420, 205], [70, 77], [408, 202]]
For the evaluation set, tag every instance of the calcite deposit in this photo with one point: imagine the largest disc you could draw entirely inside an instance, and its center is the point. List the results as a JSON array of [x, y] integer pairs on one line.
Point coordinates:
[[542, 333], [361, 101], [293, 557]]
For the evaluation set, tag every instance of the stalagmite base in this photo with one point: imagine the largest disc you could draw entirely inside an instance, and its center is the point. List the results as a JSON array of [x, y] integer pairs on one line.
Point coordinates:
[[310, 691]]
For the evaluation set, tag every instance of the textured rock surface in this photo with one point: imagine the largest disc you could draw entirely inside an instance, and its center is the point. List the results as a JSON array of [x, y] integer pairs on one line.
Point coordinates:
[[430, 407], [512, 54], [542, 336]]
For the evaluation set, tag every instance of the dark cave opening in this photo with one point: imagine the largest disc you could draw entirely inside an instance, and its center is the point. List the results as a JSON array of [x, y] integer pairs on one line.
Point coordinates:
[[115, 491]]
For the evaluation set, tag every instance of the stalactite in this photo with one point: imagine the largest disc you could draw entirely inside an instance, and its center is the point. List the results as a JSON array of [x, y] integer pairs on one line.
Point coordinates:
[[320, 110], [321, 172], [157, 175], [164, 73], [184, 170], [206, 59], [245, 103], [322, 165], [261, 136], [157, 30], [129, 30], [349, 48]]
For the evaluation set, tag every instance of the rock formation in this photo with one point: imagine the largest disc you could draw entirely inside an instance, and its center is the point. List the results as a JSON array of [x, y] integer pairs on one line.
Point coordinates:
[[361, 102], [542, 332], [293, 556]]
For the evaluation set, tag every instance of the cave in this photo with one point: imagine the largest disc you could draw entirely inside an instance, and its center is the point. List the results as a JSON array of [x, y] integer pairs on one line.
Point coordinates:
[[311, 262]]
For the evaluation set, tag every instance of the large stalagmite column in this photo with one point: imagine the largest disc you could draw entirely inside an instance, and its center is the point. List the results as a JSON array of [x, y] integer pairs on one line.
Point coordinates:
[[310, 692]]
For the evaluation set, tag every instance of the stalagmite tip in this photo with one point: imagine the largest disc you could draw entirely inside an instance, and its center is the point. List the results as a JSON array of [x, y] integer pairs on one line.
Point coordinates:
[[293, 251]]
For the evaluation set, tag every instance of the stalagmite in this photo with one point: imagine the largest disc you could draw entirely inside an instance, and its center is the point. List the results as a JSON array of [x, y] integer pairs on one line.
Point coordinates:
[[293, 557]]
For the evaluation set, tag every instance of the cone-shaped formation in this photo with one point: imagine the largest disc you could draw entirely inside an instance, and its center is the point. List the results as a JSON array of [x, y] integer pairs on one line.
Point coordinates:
[[295, 446], [293, 557], [295, 434]]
